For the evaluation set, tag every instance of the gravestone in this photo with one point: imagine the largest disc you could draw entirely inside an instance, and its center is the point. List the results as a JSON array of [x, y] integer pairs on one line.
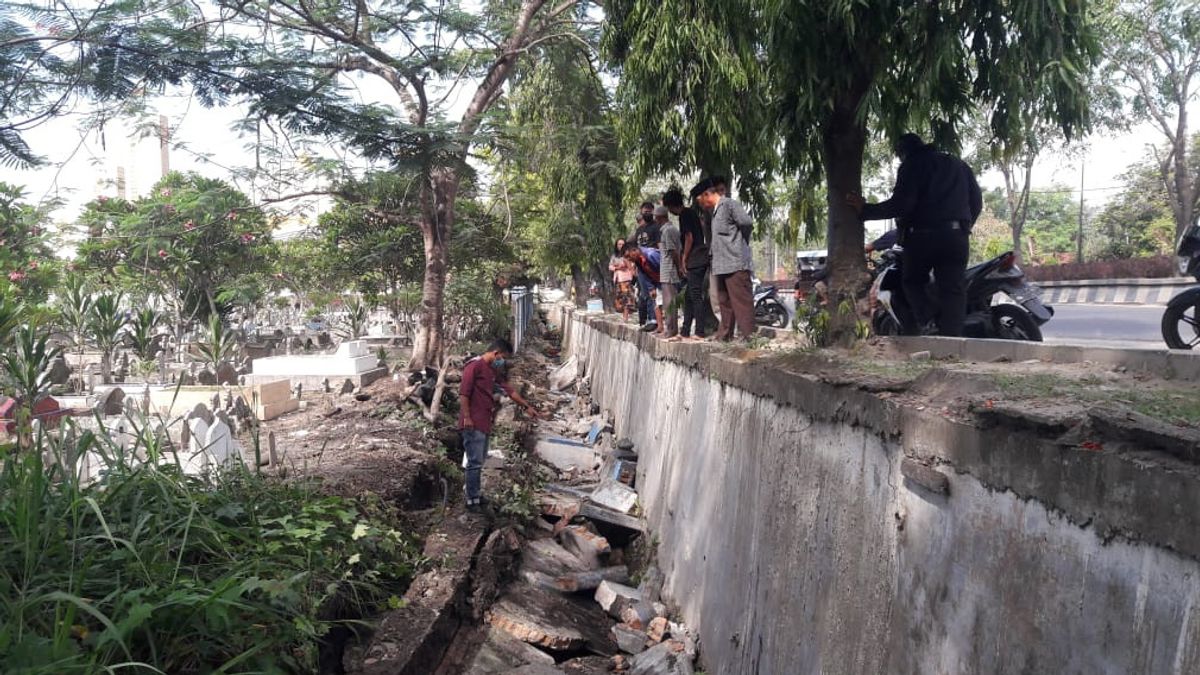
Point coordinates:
[[60, 372], [206, 377], [112, 402], [219, 442], [274, 458], [197, 460], [201, 411], [226, 373], [347, 387]]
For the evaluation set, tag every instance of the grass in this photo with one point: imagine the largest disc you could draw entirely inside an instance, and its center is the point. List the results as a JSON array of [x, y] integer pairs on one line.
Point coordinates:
[[1171, 404], [147, 570]]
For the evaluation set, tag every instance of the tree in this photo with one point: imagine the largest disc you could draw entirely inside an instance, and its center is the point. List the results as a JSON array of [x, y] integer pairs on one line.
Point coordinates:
[[1139, 221], [837, 68], [1155, 47], [28, 267], [559, 170], [75, 314], [200, 238], [104, 325]]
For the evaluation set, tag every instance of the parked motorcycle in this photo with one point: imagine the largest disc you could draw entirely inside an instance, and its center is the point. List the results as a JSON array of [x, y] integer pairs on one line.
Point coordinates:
[[989, 315], [768, 310], [1181, 321]]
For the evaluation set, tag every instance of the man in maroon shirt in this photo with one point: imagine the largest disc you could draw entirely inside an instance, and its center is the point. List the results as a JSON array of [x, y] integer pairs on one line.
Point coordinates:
[[477, 402]]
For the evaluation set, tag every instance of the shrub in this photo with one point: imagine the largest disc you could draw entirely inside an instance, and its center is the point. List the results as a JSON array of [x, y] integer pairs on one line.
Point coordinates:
[[1128, 268]]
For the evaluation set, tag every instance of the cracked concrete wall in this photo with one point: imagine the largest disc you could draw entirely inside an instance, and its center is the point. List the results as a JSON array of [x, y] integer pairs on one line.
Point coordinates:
[[793, 544]]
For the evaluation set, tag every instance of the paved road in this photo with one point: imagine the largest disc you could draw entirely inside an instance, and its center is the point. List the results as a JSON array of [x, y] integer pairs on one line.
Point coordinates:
[[1137, 325]]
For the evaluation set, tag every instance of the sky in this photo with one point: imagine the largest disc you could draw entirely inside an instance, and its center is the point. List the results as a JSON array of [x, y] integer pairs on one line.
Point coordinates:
[[82, 164]]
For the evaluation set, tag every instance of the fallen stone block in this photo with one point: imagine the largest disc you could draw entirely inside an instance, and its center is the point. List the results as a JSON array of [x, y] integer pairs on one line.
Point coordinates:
[[559, 506], [629, 640], [638, 614], [658, 629], [613, 597], [588, 581], [605, 515], [550, 620], [665, 658], [565, 454], [616, 496], [547, 557], [585, 545], [501, 651], [586, 665]]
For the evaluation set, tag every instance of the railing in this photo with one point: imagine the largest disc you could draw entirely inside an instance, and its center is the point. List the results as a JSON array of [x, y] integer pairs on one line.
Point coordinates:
[[522, 311]]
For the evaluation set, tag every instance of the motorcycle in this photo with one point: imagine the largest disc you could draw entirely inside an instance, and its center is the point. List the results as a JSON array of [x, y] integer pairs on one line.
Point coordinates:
[[988, 314], [1181, 321], [768, 310]]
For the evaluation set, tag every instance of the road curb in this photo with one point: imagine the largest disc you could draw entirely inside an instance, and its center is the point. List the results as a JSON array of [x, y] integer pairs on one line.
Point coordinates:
[[1114, 291], [1168, 364]]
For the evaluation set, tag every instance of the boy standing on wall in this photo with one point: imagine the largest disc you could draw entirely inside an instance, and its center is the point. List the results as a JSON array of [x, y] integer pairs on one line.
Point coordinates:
[[476, 410]]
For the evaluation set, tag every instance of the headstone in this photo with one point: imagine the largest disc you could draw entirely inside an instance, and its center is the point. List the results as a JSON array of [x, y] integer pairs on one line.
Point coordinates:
[[219, 442], [323, 339], [201, 411], [226, 373], [353, 349], [60, 372], [197, 460], [273, 458], [298, 390], [325, 385], [347, 387], [206, 377], [113, 402]]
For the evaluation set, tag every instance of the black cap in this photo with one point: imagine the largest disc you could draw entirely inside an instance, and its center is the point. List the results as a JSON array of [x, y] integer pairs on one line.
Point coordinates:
[[700, 188]]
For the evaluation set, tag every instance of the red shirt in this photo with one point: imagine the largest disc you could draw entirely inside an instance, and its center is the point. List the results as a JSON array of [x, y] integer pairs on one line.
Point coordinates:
[[478, 387]]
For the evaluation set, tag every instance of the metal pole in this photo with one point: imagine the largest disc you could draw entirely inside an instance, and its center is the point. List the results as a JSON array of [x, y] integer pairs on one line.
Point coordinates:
[[1079, 248]]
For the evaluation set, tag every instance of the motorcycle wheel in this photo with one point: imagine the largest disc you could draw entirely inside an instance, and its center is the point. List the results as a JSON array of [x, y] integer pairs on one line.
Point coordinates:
[[776, 315], [1012, 322], [884, 325], [1181, 321]]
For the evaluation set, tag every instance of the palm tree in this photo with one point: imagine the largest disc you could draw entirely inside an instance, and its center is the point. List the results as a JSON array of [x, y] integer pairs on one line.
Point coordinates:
[[355, 322], [218, 345], [105, 323], [26, 371], [75, 309]]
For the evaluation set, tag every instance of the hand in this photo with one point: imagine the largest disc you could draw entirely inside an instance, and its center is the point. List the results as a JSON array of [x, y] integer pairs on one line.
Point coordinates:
[[533, 412], [856, 202], [467, 425]]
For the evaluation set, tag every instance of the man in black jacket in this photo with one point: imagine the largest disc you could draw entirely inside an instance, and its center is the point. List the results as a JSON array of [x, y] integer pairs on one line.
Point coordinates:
[[935, 202]]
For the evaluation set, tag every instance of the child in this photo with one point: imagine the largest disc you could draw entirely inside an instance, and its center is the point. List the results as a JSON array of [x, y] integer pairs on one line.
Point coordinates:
[[622, 271]]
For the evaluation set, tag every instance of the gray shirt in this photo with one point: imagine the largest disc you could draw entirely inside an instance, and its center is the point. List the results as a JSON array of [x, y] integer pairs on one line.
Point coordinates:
[[730, 250], [669, 241]]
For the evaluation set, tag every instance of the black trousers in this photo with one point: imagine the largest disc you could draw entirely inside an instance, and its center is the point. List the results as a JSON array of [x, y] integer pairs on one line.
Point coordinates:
[[696, 306], [944, 251]]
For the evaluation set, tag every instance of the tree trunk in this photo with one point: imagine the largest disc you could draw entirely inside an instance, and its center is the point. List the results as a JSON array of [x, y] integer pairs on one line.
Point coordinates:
[[604, 283], [579, 280], [1183, 176], [844, 139], [437, 222]]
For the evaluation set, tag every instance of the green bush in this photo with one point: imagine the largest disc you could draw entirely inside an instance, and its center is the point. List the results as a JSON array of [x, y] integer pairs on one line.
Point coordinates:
[[150, 570]]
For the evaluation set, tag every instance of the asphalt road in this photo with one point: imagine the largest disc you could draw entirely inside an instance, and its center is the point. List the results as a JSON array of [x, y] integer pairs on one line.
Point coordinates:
[[1132, 324]]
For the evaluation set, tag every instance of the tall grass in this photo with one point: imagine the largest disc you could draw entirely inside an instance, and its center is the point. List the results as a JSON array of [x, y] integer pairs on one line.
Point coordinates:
[[148, 570]]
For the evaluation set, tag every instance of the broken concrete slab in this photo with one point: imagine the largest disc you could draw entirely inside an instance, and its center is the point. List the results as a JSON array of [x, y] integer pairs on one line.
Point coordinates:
[[501, 652], [565, 454], [638, 614], [616, 496], [1147, 432], [589, 581], [666, 658], [550, 620], [658, 629], [630, 640], [610, 517], [585, 544], [613, 597], [925, 476], [546, 556]]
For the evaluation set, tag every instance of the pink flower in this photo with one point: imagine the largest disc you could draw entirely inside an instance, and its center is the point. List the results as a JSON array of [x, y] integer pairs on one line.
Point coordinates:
[[162, 253], [232, 215], [247, 237], [102, 199], [16, 276], [33, 265], [166, 192], [169, 208], [189, 226]]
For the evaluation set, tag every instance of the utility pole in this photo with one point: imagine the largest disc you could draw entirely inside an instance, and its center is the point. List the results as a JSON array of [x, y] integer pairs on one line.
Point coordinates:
[[1079, 242], [164, 136]]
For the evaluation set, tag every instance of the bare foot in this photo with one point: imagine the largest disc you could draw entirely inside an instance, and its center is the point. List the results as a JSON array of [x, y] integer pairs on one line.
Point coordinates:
[[674, 338]]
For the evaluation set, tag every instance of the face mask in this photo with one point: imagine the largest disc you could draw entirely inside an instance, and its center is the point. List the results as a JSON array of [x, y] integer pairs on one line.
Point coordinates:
[[497, 362]]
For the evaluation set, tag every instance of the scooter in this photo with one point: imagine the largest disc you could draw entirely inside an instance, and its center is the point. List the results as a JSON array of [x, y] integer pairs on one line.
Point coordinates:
[[1181, 321], [989, 313], [768, 310]]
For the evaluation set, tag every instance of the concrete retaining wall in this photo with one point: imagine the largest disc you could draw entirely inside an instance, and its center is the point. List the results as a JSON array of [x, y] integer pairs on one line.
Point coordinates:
[[792, 541]]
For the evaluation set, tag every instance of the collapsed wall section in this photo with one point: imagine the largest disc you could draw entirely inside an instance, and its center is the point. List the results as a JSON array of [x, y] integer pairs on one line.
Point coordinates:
[[794, 540]]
